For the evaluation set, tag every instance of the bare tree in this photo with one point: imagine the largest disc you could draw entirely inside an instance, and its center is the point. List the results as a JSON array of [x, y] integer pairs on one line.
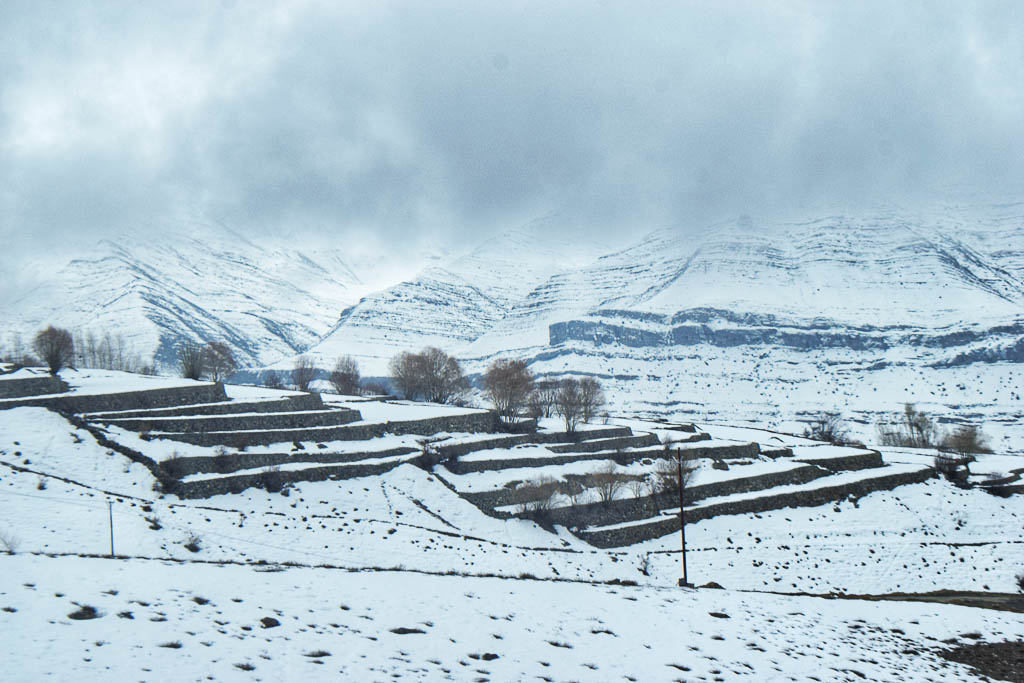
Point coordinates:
[[827, 427], [373, 389], [507, 384], [443, 378], [272, 380], [55, 347], [569, 403], [432, 375], [345, 376], [667, 471], [591, 398], [537, 495], [965, 440], [406, 374], [190, 357], [911, 429], [638, 487], [303, 373], [219, 361], [607, 482]]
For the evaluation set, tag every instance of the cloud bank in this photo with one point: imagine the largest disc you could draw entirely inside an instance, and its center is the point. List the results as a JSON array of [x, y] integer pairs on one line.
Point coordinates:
[[436, 121]]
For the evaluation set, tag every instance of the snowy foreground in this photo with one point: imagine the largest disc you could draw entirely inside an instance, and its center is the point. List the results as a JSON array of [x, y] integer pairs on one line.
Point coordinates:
[[160, 620], [397, 576]]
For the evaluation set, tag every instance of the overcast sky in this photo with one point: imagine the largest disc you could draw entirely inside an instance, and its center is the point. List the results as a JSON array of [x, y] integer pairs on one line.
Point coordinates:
[[437, 120]]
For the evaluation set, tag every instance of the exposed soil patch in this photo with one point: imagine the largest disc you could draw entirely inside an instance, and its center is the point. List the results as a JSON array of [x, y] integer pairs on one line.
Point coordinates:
[[1001, 661]]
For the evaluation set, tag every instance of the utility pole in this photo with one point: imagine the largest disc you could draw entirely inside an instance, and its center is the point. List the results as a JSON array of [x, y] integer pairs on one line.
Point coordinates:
[[682, 515], [110, 512]]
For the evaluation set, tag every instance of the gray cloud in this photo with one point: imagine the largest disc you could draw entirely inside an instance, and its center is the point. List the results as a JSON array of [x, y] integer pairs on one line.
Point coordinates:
[[442, 119]]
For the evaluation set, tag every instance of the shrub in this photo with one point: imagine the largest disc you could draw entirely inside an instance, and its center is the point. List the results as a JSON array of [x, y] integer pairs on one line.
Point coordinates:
[[273, 479], [9, 542], [173, 466], [55, 347], [909, 429], [667, 471], [607, 482], [303, 373], [537, 495], [965, 440], [1020, 582], [345, 376], [508, 384], [84, 612], [827, 427], [194, 543]]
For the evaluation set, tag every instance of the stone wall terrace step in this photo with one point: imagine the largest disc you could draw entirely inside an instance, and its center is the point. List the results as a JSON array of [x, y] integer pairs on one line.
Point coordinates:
[[249, 421], [607, 444], [841, 463], [282, 405], [631, 509], [233, 462], [127, 400], [469, 422], [810, 496], [622, 457], [205, 488], [22, 387]]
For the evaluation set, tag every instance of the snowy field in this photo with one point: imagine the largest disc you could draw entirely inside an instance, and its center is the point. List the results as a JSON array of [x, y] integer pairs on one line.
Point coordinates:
[[193, 623], [353, 569]]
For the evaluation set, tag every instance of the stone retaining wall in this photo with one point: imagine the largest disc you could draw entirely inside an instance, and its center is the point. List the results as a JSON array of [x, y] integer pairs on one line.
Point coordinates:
[[284, 405], [621, 457], [236, 484], [737, 452], [472, 422], [222, 423], [454, 451], [845, 463], [31, 386], [592, 446], [626, 510], [232, 462], [611, 538], [148, 398]]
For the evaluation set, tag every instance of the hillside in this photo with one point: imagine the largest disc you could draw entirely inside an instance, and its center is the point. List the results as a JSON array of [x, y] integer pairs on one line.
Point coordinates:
[[746, 321], [201, 282], [420, 567]]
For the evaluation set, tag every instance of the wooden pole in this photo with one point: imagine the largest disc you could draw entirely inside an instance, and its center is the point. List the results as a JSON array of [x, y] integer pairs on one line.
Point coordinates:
[[682, 512], [110, 512]]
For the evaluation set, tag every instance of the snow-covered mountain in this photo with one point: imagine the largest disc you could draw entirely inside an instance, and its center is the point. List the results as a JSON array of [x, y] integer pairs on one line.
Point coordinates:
[[746, 319], [213, 284]]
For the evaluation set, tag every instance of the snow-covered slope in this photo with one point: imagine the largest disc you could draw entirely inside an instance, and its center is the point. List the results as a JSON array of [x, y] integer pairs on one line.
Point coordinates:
[[740, 313], [204, 283], [453, 304]]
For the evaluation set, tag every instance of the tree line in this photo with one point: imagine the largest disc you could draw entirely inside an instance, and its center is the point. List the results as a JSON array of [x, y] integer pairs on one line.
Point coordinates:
[[428, 375], [434, 376]]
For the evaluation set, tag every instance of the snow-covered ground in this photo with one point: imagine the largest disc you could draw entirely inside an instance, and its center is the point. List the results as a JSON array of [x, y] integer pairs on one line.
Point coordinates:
[[159, 620], [60, 491]]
